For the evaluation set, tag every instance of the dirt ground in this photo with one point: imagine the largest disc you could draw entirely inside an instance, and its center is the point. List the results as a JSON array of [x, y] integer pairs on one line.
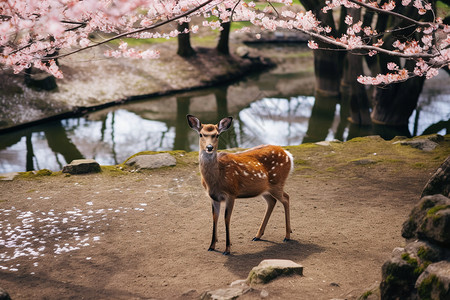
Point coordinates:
[[123, 235]]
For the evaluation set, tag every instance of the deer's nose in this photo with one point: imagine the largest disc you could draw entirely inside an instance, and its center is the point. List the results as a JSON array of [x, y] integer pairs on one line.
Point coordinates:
[[209, 148]]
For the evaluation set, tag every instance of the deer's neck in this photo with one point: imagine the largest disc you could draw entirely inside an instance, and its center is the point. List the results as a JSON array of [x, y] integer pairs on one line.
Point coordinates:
[[209, 167]]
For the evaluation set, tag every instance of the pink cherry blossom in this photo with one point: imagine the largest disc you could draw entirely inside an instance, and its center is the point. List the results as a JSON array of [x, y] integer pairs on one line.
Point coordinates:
[[313, 45], [30, 31]]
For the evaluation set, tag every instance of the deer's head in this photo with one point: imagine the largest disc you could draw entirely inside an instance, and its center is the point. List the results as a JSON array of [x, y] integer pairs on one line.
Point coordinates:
[[209, 133]]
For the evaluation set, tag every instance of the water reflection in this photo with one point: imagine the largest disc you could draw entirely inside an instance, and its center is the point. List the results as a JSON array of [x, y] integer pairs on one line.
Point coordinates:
[[112, 135]]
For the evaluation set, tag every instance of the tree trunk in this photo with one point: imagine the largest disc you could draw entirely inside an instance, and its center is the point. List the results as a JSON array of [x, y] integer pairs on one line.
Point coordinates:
[[184, 42], [353, 94], [394, 104], [223, 44]]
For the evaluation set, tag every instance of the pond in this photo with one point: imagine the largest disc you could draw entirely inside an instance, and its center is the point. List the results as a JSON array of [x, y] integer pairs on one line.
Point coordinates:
[[267, 109]]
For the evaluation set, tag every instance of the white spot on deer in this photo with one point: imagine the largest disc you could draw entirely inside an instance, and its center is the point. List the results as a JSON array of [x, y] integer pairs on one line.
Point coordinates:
[[273, 167], [273, 161], [279, 154], [245, 173], [265, 158], [273, 152], [287, 158], [274, 174], [236, 172], [281, 164], [241, 164]]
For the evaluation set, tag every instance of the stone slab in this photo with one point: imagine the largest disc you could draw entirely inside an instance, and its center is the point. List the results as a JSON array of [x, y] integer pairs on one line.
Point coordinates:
[[151, 161], [271, 268]]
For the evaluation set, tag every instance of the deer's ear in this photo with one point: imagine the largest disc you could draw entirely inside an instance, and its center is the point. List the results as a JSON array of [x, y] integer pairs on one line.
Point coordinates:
[[224, 124], [194, 123]]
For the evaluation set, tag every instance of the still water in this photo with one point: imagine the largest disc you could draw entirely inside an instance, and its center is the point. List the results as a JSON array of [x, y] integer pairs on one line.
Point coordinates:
[[262, 115]]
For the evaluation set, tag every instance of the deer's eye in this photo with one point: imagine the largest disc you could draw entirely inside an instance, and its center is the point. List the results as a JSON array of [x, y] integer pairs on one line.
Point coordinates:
[[213, 136], [201, 135]]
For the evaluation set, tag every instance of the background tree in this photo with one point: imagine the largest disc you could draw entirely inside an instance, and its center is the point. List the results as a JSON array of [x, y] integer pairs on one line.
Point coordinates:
[[337, 72], [184, 41]]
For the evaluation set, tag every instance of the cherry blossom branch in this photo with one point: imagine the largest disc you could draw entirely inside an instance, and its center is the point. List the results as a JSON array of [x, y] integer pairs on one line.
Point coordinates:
[[187, 13], [369, 48], [393, 13]]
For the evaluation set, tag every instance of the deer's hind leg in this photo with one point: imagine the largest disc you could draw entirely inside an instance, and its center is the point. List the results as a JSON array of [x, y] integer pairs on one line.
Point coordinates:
[[271, 201], [287, 214], [283, 197]]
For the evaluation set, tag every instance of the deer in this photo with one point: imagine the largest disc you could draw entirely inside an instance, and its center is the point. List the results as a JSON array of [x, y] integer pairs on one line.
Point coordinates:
[[261, 170]]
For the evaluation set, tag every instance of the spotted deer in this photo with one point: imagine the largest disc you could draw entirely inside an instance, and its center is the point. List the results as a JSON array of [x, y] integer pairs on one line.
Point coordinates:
[[262, 170]]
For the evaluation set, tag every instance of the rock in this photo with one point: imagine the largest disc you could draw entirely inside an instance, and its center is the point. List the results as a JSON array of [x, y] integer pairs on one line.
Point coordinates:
[[430, 220], [226, 293], [271, 268], [425, 252], [4, 295], [242, 51], [439, 182], [434, 282], [82, 166], [327, 143], [151, 161], [425, 144], [401, 272], [8, 176], [399, 275], [240, 282]]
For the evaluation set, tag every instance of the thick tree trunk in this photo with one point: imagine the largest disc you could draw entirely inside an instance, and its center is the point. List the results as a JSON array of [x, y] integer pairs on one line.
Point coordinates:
[[184, 42], [394, 104]]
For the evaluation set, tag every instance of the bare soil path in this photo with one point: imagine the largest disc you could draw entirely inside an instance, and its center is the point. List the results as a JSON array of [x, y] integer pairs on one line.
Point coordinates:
[[122, 235]]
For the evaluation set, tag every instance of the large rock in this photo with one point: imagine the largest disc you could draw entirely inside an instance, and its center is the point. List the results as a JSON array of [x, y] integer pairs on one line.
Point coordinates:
[[439, 182], [425, 144], [271, 268], [82, 166], [434, 282], [151, 161], [430, 220], [399, 275]]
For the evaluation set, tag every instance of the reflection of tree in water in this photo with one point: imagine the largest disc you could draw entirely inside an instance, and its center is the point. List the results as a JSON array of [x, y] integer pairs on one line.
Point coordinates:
[[181, 141], [284, 121], [57, 140]]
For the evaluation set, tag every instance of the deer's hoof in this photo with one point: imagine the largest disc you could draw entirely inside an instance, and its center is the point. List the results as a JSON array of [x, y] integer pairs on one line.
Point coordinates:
[[255, 239], [286, 240], [226, 253], [211, 249]]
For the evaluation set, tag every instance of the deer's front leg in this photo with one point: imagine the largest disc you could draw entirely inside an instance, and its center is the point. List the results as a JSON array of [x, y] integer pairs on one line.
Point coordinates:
[[215, 214], [228, 211]]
